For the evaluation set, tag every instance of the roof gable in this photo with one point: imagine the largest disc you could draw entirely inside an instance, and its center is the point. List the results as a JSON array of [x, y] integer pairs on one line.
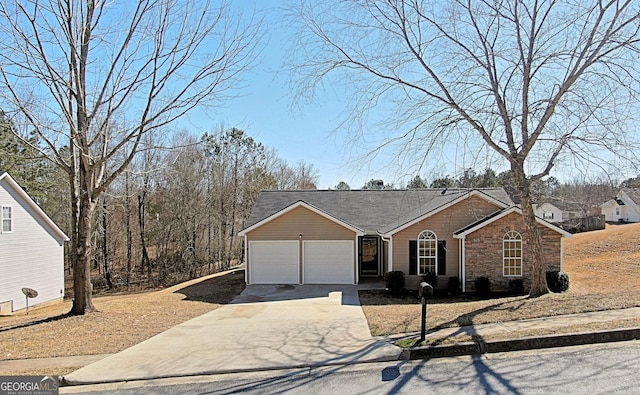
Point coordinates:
[[7, 180], [462, 233], [546, 206], [439, 206], [295, 205], [632, 195]]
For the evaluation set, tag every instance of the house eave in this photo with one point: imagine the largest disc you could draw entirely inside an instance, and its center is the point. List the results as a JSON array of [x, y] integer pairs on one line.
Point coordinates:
[[25, 196], [300, 203], [481, 224], [445, 206]]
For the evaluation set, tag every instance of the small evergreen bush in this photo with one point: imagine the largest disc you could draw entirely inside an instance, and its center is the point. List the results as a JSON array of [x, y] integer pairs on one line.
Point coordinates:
[[557, 281], [483, 286], [454, 285], [516, 286], [394, 282]]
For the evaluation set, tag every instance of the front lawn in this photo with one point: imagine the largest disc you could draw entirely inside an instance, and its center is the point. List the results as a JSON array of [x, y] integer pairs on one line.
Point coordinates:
[[121, 322], [603, 267]]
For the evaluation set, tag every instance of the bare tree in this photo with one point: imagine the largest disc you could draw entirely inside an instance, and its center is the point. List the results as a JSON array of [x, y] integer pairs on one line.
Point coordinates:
[[92, 77], [538, 82], [306, 175], [302, 175]]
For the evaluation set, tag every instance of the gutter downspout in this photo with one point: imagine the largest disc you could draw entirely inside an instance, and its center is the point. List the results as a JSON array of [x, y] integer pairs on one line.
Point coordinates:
[[562, 253], [246, 260], [389, 258], [463, 264], [357, 261]]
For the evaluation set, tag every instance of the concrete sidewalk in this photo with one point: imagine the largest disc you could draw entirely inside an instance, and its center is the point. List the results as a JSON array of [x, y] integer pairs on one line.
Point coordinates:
[[483, 330]]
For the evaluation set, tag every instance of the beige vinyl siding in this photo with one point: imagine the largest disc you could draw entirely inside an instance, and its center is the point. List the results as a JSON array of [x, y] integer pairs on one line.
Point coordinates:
[[443, 224], [303, 221], [30, 256]]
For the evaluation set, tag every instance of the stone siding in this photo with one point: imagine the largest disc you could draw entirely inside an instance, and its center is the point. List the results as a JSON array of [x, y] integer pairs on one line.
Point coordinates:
[[483, 250], [443, 224]]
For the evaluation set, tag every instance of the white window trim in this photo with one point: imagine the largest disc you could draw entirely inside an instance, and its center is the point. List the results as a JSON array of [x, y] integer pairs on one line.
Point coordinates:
[[504, 258], [434, 256], [2, 219]]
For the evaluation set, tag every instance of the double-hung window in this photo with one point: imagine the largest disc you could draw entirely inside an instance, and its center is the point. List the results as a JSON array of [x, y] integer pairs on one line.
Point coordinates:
[[512, 254], [427, 252], [7, 219]]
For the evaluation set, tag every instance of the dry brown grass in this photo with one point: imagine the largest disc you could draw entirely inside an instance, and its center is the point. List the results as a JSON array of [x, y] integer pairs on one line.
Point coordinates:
[[462, 338], [121, 321], [605, 261], [603, 267]]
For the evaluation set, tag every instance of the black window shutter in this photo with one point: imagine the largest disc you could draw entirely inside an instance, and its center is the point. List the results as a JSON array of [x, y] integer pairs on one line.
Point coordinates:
[[413, 257], [442, 257]]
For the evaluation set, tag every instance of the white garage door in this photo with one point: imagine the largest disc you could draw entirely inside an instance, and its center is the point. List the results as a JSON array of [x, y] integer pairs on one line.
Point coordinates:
[[328, 262], [273, 262]]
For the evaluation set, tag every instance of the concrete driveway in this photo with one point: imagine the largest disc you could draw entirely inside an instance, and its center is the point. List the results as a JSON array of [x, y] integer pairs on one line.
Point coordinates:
[[265, 327]]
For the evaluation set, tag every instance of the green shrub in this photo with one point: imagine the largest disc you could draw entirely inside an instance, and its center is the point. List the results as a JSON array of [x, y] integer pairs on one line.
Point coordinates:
[[394, 282], [431, 278], [483, 286], [516, 286], [454, 285], [557, 281]]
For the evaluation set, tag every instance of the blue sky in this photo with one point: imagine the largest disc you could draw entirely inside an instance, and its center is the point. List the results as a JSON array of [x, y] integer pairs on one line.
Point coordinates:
[[266, 109]]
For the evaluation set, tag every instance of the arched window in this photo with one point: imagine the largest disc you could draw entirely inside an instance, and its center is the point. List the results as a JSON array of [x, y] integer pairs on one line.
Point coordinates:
[[512, 254], [427, 252]]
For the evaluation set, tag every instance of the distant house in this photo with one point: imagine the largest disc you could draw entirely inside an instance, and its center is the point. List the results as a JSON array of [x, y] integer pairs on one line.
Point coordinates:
[[31, 250], [558, 210], [624, 207], [340, 237], [549, 212]]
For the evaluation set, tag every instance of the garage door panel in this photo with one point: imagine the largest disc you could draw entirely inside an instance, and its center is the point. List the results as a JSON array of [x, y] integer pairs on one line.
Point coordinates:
[[274, 262], [329, 262]]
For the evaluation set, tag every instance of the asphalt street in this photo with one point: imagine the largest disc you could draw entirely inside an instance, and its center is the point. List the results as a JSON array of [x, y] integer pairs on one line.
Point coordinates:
[[591, 369]]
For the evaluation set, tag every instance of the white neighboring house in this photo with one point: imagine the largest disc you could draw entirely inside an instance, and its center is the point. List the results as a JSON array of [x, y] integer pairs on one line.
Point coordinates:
[[624, 207], [31, 250], [548, 212]]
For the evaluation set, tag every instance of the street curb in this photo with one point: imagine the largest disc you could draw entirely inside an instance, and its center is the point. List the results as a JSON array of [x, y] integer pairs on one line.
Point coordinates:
[[438, 351], [526, 343], [64, 382]]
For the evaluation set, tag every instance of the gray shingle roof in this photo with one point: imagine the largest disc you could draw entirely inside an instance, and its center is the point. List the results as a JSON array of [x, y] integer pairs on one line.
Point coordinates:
[[370, 210], [564, 204], [634, 194]]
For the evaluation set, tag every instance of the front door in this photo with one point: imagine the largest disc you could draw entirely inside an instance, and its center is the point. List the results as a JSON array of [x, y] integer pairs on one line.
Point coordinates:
[[369, 262]]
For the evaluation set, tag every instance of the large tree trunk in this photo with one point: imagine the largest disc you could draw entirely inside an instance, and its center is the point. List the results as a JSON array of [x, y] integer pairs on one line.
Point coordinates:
[[82, 302], [105, 246], [534, 238]]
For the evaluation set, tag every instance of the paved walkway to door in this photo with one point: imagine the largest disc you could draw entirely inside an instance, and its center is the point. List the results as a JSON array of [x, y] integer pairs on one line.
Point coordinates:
[[265, 327]]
